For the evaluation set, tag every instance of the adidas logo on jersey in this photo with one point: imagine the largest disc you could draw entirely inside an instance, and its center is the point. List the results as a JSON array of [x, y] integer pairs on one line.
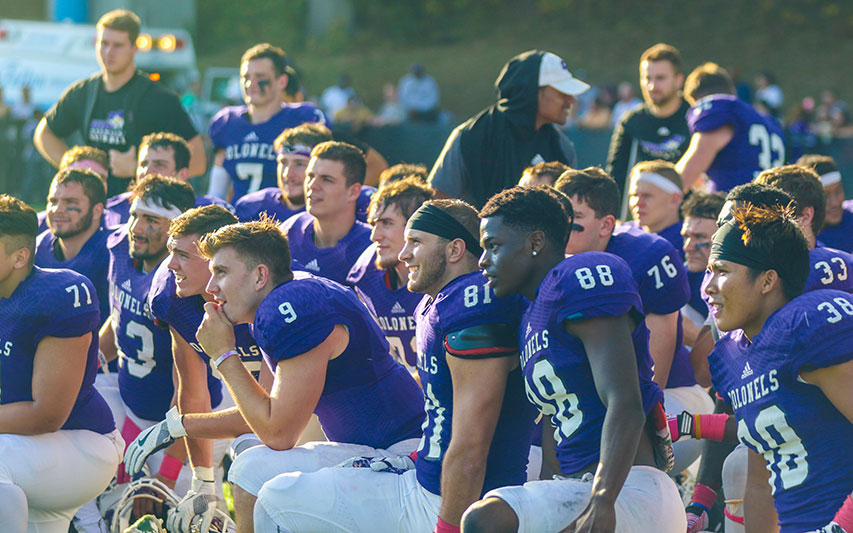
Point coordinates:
[[397, 308], [747, 371], [126, 286], [251, 137], [312, 265], [528, 330]]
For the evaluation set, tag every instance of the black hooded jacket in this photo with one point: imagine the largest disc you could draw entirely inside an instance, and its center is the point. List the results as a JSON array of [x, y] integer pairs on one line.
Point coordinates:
[[488, 152]]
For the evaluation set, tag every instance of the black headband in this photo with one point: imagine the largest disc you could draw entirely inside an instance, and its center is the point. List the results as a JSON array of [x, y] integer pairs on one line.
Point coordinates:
[[728, 245], [432, 219]]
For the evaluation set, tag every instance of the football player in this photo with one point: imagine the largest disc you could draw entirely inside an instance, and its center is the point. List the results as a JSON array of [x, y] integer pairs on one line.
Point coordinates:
[[142, 347], [789, 383], [730, 141], [654, 196], [80, 157], [165, 154], [379, 277], [327, 239], [662, 280], [837, 231], [586, 367], [58, 443], [477, 432], [293, 150], [243, 136], [326, 353]]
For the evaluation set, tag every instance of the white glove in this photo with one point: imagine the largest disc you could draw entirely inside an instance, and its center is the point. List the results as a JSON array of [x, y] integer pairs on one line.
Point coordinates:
[[153, 439], [198, 506], [393, 465]]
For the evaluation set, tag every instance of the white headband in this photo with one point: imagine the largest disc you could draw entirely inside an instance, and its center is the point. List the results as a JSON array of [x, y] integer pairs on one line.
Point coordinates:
[[830, 178], [147, 206], [658, 181]]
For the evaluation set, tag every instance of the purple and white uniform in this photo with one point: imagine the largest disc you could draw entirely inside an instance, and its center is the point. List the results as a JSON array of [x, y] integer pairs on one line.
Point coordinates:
[[268, 201], [144, 348], [393, 309], [465, 302], [92, 261], [250, 157], [557, 375], [801, 434], [51, 303], [830, 269], [363, 383], [185, 316], [840, 236], [662, 280], [758, 142], [334, 262], [117, 211]]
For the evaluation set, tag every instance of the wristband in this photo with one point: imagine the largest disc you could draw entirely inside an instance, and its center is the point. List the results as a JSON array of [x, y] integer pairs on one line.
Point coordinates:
[[102, 363], [711, 427], [444, 527], [170, 467], [222, 358], [844, 516], [704, 497], [203, 473]]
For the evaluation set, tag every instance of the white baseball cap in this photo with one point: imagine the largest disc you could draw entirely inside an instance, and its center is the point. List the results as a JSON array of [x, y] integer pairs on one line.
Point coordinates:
[[553, 72]]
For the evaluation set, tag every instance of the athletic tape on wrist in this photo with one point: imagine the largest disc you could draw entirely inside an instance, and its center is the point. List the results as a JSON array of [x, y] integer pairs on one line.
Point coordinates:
[[203, 473], [710, 427], [444, 527]]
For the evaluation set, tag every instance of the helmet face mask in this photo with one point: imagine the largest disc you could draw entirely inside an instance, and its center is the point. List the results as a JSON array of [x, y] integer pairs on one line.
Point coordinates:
[[155, 490]]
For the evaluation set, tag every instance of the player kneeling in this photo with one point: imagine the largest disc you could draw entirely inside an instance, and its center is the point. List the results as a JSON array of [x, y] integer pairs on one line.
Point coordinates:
[[58, 443], [587, 368], [789, 384]]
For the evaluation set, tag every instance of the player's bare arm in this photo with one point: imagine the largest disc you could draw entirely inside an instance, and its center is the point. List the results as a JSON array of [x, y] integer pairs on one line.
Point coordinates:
[[703, 148], [478, 391], [58, 369], [107, 340], [193, 395], [663, 333], [608, 344], [834, 381]]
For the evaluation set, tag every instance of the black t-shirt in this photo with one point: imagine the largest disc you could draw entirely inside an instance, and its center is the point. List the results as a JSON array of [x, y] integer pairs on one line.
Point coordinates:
[[117, 122], [641, 136]]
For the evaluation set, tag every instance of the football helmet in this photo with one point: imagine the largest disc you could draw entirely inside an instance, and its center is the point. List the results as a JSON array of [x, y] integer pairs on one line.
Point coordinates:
[[155, 490]]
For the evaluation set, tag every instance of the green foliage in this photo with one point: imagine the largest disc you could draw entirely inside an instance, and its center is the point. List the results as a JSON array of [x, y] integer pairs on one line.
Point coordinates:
[[224, 24]]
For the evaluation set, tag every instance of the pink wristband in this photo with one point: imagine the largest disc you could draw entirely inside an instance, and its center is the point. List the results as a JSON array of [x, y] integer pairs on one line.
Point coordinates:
[[674, 432], [444, 527], [844, 516], [711, 427], [704, 496], [170, 467]]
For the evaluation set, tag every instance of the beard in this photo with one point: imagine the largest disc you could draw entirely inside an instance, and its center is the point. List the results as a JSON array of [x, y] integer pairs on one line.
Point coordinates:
[[429, 274], [82, 225]]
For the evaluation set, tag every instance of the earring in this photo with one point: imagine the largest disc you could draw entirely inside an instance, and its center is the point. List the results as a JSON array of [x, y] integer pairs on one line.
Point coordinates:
[[534, 253]]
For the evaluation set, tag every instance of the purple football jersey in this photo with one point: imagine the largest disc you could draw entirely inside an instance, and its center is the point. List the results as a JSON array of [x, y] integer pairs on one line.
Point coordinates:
[[368, 398], [393, 309], [840, 236], [557, 374], [185, 316], [51, 303], [830, 269], [144, 348], [92, 261], [118, 207], [362, 205], [758, 142], [660, 274], [268, 201], [801, 434], [250, 158], [465, 302], [334, 262]]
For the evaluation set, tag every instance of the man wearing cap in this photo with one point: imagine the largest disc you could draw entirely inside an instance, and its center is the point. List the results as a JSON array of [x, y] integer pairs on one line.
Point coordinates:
[[837, 229], [488, 152]]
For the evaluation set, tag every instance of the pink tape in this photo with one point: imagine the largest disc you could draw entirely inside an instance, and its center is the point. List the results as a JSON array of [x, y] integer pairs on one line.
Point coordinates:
[[170, 467], [711, 427], [444, 527]]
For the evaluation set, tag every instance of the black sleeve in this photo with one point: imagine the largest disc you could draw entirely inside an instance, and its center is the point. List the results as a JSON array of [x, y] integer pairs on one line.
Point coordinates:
[[619, 153], [160, 110], [66, 115]]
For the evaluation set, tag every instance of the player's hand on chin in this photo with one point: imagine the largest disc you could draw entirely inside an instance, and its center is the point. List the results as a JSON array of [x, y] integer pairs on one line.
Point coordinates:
[[216, 332], [596, 518]]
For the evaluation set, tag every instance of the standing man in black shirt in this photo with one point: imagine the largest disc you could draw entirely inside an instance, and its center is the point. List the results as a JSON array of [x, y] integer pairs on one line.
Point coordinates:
[[658, 128], [113, 109]]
